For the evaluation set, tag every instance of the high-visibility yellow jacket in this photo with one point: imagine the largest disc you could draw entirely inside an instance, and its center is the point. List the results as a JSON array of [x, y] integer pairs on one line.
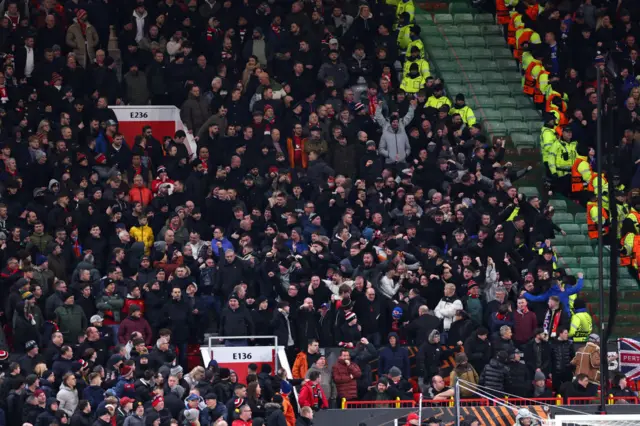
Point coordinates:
[[581, 326], [561, 158], [423, 67], [466, 113], [547, 138], [417, 42], [405, 6], [436, 103], [413, 85]]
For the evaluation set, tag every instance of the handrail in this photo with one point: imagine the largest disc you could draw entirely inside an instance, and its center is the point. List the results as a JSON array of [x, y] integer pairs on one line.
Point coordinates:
[[395, 403]]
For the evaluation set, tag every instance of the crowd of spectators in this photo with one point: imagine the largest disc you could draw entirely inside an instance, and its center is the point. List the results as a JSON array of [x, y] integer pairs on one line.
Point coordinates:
[[337, 196]]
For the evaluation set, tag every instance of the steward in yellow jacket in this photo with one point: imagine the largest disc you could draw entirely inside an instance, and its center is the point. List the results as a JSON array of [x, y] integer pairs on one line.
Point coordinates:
[[466, 113]]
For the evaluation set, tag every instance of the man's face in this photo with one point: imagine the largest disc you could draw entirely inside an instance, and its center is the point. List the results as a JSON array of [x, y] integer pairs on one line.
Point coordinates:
[[176, 294], [438, 383]]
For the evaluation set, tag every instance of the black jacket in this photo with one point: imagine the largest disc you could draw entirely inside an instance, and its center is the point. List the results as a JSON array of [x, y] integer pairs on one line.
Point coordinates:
[[561, 355], [280, 326], [419, 329], [519, 380], [236, 322], [478, 352], [430, 357], [533, 351], [494, 376], [228, 276], [178, 318]]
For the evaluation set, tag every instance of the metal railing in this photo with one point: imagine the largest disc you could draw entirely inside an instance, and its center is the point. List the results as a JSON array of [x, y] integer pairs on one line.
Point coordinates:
[[394, 403]]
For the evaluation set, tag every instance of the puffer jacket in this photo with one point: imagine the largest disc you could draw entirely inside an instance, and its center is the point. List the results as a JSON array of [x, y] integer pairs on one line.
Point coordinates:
[[467, 373], [494, 375], [394, 143], [519, 380], [71, 321], [561, 355], [346, 386], [446, 310], [194, 112], [143, 234], [110, 305], [68, 399]]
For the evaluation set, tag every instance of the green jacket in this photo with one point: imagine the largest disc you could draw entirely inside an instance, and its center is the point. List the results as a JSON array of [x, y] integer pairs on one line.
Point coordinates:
[[72, 322], [110, 306]]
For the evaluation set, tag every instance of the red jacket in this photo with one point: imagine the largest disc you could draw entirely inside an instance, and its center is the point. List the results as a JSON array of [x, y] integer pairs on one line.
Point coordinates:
[[346, 386], [523, 326], [130, 301], [240, 422], [312, 395], [129, 325]]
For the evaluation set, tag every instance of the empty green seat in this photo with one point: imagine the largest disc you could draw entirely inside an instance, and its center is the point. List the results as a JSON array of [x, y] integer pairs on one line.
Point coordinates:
[[486, 65], [453, 77], [571, 229], [512, 77], [593, 273], [628, 283], [582, 250], [577, 239], [460, 9], [501, 53], [453, 89], [440, 54], [587, 262], [495, 128], [448, 66], [568, 261], [456, 41], [559, 218], [472, 78], [484, 18], [523, 139], [516, 126], [467, 66], [559, 205], [497, 41], [507, 64], [525, 147], [505, 102], [563, 250], [474, 41], [581, 218], [531, 115], [489, 114], [429, 30], [515, 89], [559, 240], [491, 77], [481, 90], [510, 114], [471, 30], [499, 89], [483, 102], [481, 53], [450, 30], [529, 191], [523, 102], [443, 18], [534, 126], [490, 30], [462, 18]]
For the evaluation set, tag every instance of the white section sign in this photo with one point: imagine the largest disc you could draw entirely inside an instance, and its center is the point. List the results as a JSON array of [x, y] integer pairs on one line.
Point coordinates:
[[242, 354]]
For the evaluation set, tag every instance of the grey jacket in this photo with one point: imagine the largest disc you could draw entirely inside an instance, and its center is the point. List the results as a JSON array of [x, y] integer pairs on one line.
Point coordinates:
[[394, 144], [326, 381]]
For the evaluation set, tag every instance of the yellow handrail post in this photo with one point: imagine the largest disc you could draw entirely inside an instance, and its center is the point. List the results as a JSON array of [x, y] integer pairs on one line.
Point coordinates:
[[398, 403], [344, 403]]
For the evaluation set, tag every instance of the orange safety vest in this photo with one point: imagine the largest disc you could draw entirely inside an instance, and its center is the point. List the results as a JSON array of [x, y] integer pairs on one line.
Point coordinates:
[[511, 30], [625, 259], [590, 186], [592, 227], [549, 103], [529, 83], [524, 38], [533, 12], [502, 12], [538, 96], [635, 256], [577, 184], [562, 121]]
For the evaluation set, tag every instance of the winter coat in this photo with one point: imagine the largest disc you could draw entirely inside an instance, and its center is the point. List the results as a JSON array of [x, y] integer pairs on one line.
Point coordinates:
[[523, 326], [587, 361], [394, 143], [347, 387], [394, 357], [275, 416], [326, 381], [318, 172], [68, 399], [194, 112], [93, 394], [421, 327], [83, 43], [562, 354], [131, 324], [236, 322], [137, 90], [429, 359], [178, 319], [532, 351], [494, 376], [466, 373], [338, 71], [460, 330], [110, 305], [312, 396], [446, 311], [519, 380], [71, 321]]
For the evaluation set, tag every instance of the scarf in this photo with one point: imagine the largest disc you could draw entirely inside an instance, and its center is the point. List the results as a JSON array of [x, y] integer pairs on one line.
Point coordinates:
[[500, 316], [373, 103], [276, 29], [551, 322], [524, 311], [213, 33]]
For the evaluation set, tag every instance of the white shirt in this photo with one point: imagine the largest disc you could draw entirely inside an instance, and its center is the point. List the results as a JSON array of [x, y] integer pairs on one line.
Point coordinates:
[[29, 63]]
